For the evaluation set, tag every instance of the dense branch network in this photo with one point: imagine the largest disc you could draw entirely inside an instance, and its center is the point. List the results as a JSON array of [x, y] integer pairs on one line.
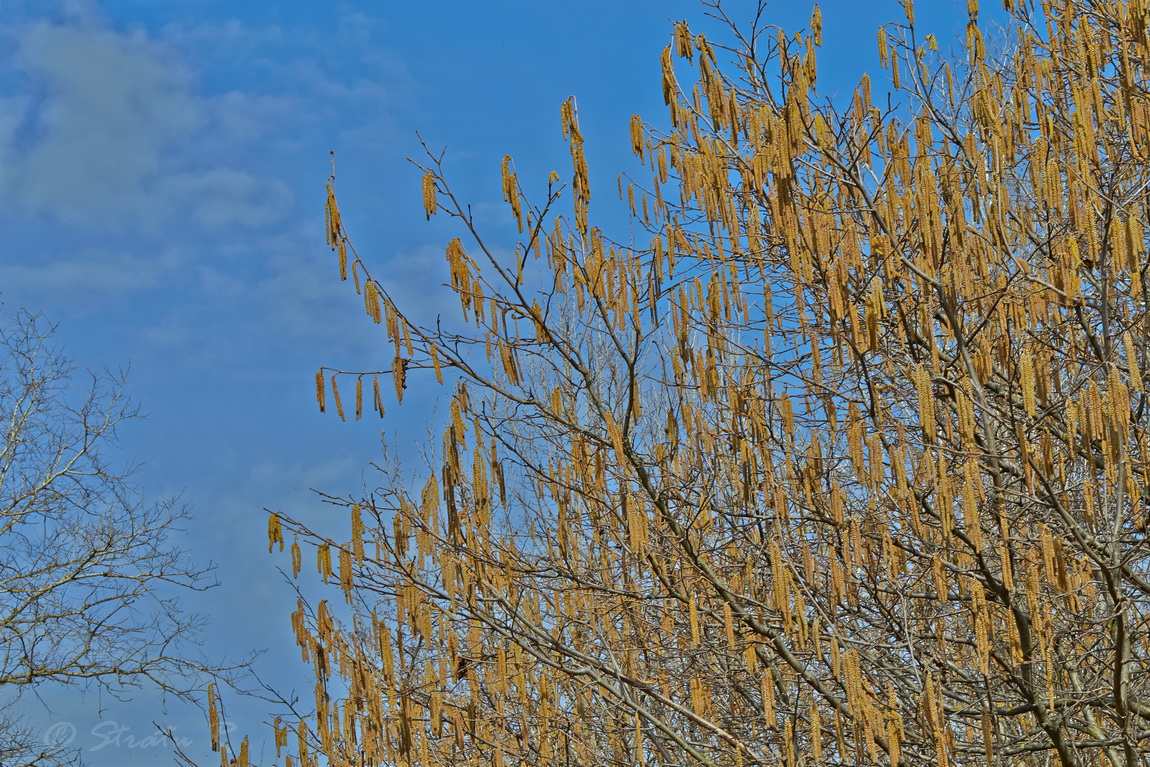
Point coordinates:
[[90, 578], [847, 466]]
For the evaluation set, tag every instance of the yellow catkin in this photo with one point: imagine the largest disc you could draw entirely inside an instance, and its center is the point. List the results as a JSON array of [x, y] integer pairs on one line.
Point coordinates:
[[1132, 367], [925, 402], [788, 415], [768, 693], [965, 406], [1046, 543], [940, 584], [816, 734], [399, 376], [970, 511], [430, 204], [1027, 383], [728, 621], [640, 758], [281, 733], [981, 629], [637, 528], [335, 396], [334, 223], [357, 532], [371, 296], [323, 561], [507, 179], [698, 701], [320, 391], [637, 135], [435, 364], [852, 683], [213, 716], [840, 732], [693, 613], [275, 532]]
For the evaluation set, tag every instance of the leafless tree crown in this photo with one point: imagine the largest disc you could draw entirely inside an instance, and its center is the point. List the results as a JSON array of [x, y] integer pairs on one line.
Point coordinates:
[[89, 573], [845, 463]]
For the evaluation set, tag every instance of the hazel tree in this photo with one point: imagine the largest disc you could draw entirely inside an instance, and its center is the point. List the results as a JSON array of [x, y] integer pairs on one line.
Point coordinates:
[[846, 465]]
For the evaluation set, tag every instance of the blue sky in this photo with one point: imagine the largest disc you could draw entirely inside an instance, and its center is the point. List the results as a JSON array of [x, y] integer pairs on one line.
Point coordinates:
[[162, 169]]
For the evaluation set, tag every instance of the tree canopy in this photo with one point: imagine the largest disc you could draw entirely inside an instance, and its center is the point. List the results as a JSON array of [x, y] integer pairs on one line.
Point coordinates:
[[844, 463], [90, 574]]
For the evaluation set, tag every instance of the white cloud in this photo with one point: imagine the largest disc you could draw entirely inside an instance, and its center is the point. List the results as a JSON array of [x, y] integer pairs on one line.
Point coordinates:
[[221, 198], [115, 135], [110, 108], [123, 147], [302, 296], [12, 110], [99, 273], [238, 119]]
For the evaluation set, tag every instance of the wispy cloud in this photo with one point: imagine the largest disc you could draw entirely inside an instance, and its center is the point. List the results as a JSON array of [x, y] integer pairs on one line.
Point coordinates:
[[147, 175], [98, 273], [222, 198], [107, 109], [113, 133]]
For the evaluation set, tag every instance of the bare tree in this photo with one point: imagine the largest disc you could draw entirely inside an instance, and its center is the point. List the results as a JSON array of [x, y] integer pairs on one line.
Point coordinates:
[[90, 573]]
